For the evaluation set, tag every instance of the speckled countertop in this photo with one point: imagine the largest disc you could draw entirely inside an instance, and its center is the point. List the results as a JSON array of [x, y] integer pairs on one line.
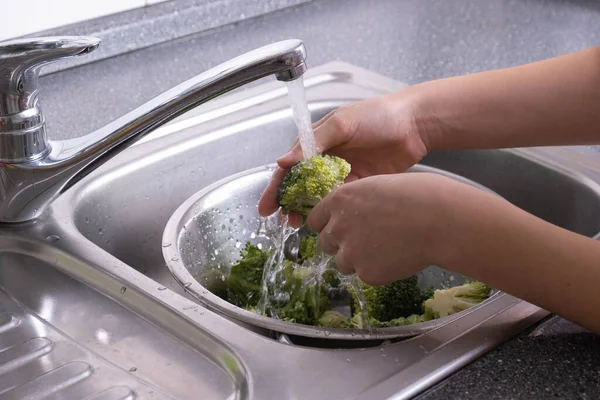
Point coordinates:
[[411, 41]]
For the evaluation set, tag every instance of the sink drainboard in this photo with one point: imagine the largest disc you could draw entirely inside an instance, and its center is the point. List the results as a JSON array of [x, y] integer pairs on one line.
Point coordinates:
[[37, 361]]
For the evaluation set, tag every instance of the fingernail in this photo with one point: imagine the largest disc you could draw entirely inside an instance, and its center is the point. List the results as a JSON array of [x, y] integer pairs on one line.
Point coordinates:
[[285, 156]]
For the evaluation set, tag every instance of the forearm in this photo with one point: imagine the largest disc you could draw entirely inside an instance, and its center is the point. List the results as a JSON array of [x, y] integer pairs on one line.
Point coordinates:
[[551, 102], [529, 258]]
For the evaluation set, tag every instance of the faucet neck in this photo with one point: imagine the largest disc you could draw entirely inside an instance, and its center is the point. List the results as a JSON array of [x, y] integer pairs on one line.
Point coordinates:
[[22, 126], [32, 174]]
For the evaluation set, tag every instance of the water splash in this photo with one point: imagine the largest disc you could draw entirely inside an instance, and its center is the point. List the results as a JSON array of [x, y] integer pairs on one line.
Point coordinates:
[[362, 301], [278, 232]]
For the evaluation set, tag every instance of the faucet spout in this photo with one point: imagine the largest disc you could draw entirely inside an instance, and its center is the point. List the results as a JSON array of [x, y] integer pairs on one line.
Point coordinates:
[[34, 171]]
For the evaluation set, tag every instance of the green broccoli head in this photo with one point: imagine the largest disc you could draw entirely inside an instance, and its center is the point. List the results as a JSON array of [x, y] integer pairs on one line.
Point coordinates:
[[295, 295], [388, 324], [307, 248], [309, 181], [245, 276], [333, 319], [308, 299], [398, 299], [214, 278], [331, 278], [455, 299]]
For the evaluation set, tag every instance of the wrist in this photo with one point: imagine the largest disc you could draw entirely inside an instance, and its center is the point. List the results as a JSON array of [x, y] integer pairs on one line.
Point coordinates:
[[418, 102], [467, 223]]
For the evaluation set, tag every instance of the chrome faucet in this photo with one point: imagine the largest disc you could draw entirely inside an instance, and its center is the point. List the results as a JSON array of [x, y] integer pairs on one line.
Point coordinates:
[[35, 170]]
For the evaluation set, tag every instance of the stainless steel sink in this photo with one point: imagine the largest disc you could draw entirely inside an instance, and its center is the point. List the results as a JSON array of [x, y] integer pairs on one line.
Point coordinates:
[[87, 288]]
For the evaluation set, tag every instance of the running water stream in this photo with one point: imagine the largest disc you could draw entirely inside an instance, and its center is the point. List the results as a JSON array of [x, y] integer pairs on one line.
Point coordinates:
[[278, 231], [301, 113]]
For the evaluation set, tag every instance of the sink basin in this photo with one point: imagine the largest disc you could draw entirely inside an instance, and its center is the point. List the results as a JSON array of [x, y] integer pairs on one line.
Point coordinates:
[[108, 231]]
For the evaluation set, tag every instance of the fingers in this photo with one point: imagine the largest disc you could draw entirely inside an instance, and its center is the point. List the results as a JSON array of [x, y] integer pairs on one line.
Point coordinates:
[[293, 155], [295, 220], [326, 243], [319, 216], [267, 204], [333, 130], [342, 264], [330, 131], [323, 120]]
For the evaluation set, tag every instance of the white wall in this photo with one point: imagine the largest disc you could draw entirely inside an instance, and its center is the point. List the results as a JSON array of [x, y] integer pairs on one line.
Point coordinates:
[[23, 17]]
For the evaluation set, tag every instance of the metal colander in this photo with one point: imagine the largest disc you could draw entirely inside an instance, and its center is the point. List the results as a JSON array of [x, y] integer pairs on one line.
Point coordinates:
[[215, 223]]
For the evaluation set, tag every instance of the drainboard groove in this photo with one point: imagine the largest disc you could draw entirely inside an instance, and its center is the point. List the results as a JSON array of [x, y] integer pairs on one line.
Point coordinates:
[[8, 322], [23, 353], [51, 382], [115, 393]]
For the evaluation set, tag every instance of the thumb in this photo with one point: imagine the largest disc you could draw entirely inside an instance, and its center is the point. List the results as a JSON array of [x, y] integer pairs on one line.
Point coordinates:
[[331, 131]]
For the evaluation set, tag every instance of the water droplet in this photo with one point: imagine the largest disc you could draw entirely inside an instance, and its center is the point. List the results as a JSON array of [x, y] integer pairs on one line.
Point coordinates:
[[174, 258], [52, 238], [347, 360], [123, 290], [162, 288], [132, 369]]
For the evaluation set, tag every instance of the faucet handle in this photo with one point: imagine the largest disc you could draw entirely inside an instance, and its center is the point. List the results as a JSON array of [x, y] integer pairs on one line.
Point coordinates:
[[22, 126], [21, 60]]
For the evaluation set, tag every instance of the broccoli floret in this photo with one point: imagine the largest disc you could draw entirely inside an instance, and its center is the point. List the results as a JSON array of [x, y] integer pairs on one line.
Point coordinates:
[[398, 299], [428, 293], [414, 319], [307, 247], [357, 322], [331, 278], [309, 181], [333, 319], [295, 295], [245, 276], [308, 299], [398, 322], [455, 299], [214, 278], [388, 324]]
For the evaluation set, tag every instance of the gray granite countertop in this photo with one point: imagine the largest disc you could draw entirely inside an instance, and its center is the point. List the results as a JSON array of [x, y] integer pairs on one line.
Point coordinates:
[[411, 41]]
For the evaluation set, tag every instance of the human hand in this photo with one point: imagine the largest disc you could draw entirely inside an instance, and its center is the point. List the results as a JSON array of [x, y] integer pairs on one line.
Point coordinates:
[[389, 227], [376, 136]]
